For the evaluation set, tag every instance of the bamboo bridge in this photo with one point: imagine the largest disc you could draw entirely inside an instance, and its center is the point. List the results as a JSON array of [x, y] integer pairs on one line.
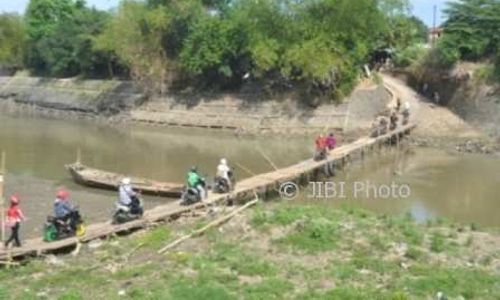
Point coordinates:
[[262, 185]]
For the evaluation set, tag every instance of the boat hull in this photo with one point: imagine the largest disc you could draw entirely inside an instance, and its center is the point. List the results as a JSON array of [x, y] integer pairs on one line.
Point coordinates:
[[111, 181]]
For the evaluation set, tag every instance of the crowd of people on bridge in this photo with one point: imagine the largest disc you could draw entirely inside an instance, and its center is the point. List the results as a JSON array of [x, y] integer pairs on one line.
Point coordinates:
[[383, 124]]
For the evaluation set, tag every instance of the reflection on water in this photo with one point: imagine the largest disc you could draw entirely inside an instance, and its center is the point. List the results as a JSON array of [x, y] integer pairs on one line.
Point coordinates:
[[457, 187]]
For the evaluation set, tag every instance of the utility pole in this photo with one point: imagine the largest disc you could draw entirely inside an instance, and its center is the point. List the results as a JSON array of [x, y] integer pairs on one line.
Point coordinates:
[[2, 199], [434, 26]]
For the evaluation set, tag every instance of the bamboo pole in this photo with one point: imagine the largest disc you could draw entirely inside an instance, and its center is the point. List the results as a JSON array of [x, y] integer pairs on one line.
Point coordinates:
[[78, 156], [2, 198], [267, 158], [245, 169], [208, 226]]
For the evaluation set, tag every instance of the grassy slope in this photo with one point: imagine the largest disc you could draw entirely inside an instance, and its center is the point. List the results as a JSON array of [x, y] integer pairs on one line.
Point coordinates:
[[278, 251]]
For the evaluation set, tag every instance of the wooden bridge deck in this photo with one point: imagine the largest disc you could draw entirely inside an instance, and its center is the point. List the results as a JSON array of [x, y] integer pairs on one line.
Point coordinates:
[[245, 189]]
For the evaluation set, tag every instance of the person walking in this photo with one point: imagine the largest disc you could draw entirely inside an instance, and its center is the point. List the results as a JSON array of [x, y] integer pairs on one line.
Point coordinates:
[[14, 218]]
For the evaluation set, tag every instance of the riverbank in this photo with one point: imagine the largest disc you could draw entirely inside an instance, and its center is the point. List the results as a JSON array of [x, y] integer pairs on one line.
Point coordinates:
[[119, 103], [441, 127], [251, 112], [275, 251]]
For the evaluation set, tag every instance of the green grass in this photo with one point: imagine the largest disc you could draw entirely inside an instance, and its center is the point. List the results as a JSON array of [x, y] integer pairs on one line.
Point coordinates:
[[271, 288], [155, 238], [71, 295], [453, 282], [351, 292], [344, 271], [236, 259], [195, 290], [415, 253], [364, 260], [313, 235], [308, 252], [438, 242]]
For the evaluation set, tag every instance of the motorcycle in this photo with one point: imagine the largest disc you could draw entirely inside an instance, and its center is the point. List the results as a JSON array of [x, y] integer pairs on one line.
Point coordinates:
[[56, 228], [319, 155], [222, 185], [192, 195], [128, 213]]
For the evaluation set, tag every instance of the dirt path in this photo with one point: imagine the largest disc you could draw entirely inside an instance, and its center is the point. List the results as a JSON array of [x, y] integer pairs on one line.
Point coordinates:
[[433, 121]]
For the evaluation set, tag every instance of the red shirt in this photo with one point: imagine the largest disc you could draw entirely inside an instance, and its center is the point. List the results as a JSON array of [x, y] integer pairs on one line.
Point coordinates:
[[14, 214], [320, 143]]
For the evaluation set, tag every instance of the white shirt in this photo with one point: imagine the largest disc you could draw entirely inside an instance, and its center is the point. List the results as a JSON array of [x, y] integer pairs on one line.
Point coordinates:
[[223, 171], [126, 192]]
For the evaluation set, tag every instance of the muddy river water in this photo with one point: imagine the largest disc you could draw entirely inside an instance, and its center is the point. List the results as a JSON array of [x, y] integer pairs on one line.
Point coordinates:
[[459, 187]]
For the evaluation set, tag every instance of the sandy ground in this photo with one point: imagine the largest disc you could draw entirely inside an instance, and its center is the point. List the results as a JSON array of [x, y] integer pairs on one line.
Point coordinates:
[[433, 121]]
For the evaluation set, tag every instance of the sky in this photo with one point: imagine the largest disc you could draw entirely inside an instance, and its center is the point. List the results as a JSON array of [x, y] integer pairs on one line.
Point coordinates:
[[421, 8]]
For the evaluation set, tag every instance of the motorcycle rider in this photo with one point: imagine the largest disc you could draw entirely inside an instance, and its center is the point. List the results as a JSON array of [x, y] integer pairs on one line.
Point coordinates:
[[129, 199], [194, 180], [62, 207], [223, 171]]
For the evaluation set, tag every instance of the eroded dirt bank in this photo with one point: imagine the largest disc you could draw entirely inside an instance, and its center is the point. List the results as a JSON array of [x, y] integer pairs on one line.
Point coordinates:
[[255, 112], [442, 126], [457, 128]]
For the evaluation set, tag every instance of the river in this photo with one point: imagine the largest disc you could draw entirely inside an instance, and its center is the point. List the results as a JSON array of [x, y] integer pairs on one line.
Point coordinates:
[[459, 187]]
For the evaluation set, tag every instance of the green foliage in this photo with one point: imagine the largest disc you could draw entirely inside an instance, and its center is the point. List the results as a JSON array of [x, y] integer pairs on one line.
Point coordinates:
[[60, 37], [318, 46], [215, 46], [410, 55], [12, 41], [470, 32], [472, 27], [405, 31]]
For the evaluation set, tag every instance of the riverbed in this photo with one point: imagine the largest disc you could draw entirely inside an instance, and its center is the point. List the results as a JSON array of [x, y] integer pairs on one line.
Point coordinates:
[[459, 187]]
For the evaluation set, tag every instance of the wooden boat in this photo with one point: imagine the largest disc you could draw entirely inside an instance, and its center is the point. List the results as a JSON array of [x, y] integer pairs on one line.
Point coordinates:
[[106, 180]]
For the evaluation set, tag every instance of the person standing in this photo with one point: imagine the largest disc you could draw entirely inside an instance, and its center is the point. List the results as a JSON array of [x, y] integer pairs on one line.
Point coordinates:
[[331, 141], [14, 218]]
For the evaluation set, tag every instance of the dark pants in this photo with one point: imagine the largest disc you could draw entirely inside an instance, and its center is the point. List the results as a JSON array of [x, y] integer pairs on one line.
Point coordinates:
[[14, 236]]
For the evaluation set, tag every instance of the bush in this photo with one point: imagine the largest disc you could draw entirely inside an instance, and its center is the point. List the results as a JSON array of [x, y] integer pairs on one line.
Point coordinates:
[[410, 55]]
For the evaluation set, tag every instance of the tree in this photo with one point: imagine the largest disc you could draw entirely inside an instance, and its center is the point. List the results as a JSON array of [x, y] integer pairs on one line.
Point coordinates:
[[472, 28], [136, 35], [215, 47], [60, 37], [12, 41]]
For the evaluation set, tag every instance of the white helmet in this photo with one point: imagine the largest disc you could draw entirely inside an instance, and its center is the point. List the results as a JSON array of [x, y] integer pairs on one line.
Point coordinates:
[[223, 161], [125, 180]]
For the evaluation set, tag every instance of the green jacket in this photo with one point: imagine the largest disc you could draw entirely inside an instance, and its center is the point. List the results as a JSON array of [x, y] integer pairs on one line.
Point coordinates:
[[193, 179]]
